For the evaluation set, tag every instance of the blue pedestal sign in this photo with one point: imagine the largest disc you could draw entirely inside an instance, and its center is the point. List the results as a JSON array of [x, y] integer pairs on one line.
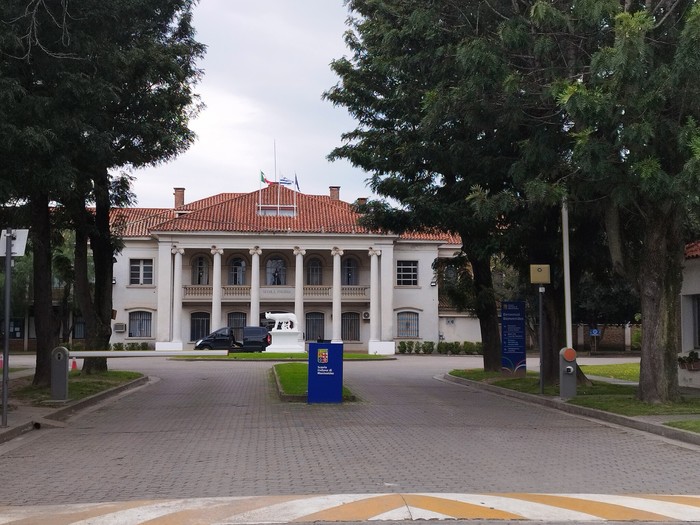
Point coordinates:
[[513, 337], [325, 373]]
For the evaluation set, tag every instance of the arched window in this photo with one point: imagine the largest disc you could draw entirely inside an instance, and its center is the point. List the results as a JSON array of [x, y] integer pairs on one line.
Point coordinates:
[[276, 272], [407, 324], [314, 272], [315, 322], [199, 325], [237, 320], [200, 270], [350, 326], [140, 324], [236, 271], [349, 272]]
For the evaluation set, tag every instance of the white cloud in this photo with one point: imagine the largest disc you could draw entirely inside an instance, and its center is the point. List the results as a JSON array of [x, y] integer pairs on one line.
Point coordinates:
[[266, 68]]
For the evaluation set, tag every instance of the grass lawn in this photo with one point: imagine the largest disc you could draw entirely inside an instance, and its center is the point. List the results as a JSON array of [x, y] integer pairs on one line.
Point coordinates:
[[294, 378], [618, 399], [626, 371], [79, 385]]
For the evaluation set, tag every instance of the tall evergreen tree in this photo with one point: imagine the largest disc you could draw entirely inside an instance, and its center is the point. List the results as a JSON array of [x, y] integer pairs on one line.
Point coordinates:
[[100, 86]]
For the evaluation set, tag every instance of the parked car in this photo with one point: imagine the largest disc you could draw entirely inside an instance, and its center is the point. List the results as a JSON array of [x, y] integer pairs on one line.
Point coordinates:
[[255, 339]]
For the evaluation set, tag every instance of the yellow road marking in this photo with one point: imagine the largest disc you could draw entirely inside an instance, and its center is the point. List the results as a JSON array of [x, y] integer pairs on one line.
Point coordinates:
[[693, 501], [357, 510], [458, 509], [608, 511]]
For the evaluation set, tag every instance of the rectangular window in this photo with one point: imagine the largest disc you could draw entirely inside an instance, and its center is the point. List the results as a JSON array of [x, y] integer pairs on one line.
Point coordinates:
[[237, 320], [407, 324], [350, 326], [314, 326], [140, 324], [141, 271], [199, 325], [406, 273]]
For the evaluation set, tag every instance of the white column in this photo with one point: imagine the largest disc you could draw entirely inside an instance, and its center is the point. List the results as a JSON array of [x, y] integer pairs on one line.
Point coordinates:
[[337, 305], [388, 271], [177, 295], [216, 289], [255, 286], [299, 288], [164, 285], [374, 321]]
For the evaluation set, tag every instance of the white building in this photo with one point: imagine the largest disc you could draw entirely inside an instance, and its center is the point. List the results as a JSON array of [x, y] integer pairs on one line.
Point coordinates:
[[227, 259], [690, 312]]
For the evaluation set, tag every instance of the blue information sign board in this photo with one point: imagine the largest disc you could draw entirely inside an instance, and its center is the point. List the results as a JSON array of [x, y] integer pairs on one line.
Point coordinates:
[[513, 336], [325, 373]]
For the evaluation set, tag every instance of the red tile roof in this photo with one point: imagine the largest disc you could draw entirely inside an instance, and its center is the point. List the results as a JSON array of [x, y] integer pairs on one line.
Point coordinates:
[[238, 212], [692, 250]]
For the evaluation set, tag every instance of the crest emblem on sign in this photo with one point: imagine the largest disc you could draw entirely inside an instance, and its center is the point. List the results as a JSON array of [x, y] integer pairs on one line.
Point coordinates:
[[323, 356]]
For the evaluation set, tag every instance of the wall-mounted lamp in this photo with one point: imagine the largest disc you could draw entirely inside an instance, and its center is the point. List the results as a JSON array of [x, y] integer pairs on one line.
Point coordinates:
[[433, 283], [114, 280]]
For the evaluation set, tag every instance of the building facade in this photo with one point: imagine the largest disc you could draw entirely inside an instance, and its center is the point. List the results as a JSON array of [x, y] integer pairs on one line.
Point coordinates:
[[227, 259]]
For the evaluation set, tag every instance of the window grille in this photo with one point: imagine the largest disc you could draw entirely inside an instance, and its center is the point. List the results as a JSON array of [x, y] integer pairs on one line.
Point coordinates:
[[315, 322], [350, 326], [199, 325], [237, 320], [407, 273], [407, 324]]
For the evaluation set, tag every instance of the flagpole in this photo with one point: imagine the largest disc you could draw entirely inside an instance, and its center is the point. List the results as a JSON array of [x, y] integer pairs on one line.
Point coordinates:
[[274, 147]]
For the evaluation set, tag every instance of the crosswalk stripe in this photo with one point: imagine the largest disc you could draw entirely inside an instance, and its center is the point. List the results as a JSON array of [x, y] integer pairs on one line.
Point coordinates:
[[608, 511], [578, 508]]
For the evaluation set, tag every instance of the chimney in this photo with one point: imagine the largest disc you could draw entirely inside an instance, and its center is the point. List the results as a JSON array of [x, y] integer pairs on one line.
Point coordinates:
[[361, 201], [179, 197], [335, 192]]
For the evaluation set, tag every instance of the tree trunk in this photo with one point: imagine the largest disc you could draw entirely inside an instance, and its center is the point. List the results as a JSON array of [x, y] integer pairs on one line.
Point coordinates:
[[95, 304], [660, 278], [44, 321], [487, 313]]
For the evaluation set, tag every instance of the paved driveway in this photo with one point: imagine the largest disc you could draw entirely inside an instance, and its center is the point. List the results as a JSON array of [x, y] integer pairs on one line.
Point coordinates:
[[216, 429]]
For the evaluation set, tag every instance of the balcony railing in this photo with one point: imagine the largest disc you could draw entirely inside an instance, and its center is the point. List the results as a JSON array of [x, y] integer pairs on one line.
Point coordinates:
[[311, 292]]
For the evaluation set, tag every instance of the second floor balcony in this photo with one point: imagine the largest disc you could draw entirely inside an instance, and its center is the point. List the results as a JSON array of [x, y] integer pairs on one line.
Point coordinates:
[[193, 293]]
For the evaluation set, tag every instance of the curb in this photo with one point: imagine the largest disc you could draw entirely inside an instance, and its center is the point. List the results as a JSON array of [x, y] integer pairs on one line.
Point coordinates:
[[559, 404], [66, 411]]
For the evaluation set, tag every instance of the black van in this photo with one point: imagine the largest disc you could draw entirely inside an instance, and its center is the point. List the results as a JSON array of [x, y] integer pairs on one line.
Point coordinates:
[[255, 339]]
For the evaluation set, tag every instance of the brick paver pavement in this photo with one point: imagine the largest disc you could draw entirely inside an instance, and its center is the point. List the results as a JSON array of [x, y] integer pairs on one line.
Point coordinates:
[[216, 429]]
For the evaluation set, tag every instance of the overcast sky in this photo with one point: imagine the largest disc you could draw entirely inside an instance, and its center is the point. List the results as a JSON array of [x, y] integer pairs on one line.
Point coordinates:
[[266, 67]]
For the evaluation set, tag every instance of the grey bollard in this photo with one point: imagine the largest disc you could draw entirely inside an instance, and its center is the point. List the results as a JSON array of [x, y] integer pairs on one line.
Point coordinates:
[[59, 373], [567, 373]]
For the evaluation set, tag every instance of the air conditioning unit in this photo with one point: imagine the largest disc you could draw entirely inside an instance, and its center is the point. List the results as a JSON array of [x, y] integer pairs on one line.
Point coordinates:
[[365, 316], [120, 327]]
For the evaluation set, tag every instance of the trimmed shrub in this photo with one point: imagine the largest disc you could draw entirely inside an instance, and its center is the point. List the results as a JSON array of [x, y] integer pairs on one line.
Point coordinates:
[[402, 347], [428, 347], [410, 346], [118, 346]]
